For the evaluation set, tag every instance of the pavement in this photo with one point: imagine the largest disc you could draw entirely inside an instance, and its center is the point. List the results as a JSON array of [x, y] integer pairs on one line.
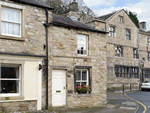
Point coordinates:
[[117, 103]]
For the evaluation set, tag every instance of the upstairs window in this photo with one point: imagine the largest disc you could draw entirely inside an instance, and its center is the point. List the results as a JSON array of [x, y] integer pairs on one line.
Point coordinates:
[[120, 19], [128, 34], [112, 31], [82, 45], [148, 56], [148, 40], [10, 22], [135, 53], [119, 51]]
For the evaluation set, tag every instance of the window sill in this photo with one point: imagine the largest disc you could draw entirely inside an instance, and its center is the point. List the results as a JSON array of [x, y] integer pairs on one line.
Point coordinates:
[[82, 56], [11, 98], [82, 95], [11, 38]]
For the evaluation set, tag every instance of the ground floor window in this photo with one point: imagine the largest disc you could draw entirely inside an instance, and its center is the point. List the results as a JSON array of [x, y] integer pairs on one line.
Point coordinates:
[[147, 73], [10, 79], [82, 77], [126, 71]]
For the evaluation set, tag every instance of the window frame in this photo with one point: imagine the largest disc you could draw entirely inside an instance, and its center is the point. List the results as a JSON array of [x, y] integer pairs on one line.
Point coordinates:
[[148, 41], [148, 56], [120, 53], [80, 81], [87, 40], [128, 36], [120, 19], [22, 25], [19, 79], [135, 53], [112, 31]]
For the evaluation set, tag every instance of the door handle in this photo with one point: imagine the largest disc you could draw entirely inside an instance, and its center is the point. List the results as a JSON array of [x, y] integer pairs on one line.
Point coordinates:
[[64, 87]]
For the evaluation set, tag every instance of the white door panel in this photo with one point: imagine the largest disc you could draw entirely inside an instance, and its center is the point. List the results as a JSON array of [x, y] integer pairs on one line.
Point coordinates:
[[58, 87]]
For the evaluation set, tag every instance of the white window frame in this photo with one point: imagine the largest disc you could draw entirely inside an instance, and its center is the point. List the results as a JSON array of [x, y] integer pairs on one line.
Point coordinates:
[[119, 49], [19, 23], [80, 81], [19, 79], [86, 37], [148, 41], [112, 33], [120, 19]]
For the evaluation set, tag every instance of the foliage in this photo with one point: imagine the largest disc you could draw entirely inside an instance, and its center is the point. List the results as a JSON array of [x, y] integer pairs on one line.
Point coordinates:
[[83, 88], [133, 17]]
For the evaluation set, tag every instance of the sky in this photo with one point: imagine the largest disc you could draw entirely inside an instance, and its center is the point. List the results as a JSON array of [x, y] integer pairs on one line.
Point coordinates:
[[140, 7]]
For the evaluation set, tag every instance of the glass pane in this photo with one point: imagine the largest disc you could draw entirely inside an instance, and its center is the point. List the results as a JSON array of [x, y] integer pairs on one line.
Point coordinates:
[[78, 75], [11, 15], [83, 83], [10, 28], [9, 86], [9, 72], [84, 75], [77, 83]]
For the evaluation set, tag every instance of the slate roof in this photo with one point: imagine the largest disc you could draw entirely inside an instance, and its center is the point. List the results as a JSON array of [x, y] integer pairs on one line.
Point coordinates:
[[105, 17], [144, 32], [33, 3], [67, 22]]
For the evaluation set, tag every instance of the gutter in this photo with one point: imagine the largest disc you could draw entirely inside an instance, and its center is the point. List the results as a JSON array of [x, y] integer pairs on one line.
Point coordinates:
[[46, 25]]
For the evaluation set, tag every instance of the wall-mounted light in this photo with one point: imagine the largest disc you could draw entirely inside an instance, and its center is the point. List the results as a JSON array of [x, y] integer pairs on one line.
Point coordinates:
[[40, 66]]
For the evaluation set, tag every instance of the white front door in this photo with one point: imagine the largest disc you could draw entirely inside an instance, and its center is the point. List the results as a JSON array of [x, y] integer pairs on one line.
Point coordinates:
[[58, 88]]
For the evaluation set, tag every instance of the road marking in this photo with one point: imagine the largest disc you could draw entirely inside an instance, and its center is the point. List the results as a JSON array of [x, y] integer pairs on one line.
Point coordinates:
[[145, 108], [148, 106]]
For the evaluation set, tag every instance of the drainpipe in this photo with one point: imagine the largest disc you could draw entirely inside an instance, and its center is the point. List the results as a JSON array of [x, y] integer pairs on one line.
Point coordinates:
[[46, 25]]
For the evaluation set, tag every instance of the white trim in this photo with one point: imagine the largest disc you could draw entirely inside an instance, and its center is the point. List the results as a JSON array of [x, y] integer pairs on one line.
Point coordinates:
[[18, 100], [12, 5], [39, 101]]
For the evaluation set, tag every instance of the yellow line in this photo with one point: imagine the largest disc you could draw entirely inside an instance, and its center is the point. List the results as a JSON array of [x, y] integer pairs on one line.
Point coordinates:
[[145, 108]]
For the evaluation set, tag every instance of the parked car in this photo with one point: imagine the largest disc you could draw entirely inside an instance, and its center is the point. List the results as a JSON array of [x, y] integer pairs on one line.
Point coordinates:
[[145, 85]]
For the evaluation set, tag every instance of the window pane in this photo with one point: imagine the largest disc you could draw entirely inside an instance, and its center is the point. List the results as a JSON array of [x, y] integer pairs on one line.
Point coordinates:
[[11, 15], [9, 86], [77, 83], [83, 83], [78, 75], [10, 28], [84, 75], [10, 72]]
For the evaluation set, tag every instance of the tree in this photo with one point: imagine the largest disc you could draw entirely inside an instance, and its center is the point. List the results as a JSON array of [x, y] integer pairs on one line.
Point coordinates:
[[133, 17]]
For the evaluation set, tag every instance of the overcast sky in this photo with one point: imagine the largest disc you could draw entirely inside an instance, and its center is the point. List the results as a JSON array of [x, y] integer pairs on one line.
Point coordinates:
[[141, 7]]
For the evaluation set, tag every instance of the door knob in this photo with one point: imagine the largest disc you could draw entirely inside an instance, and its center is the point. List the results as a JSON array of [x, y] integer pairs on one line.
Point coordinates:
[[64, 87]]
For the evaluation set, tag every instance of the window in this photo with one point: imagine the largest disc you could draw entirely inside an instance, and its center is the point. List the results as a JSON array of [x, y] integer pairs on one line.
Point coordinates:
[[128, 34], [148, 56], [120, 19], [148, 40], [82, 77], [135, 53], [126, 72], [10, 80], [147, 73], [119, 51], [112, 31], [10, 22], [82, 45]]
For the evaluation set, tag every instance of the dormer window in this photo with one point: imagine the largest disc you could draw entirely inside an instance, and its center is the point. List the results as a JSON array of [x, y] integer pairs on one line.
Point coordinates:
[[120, 19]]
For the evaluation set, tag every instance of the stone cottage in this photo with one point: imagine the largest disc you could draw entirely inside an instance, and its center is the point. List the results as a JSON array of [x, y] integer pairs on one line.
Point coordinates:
[[122, 49], [22, 38], [77, 56]]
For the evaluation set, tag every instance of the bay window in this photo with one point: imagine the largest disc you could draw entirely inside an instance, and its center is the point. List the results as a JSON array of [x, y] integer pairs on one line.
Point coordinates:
[[10, 79]]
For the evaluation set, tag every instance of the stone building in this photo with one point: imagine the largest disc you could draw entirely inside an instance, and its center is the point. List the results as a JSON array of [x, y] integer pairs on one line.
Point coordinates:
[[144, 50], [77, 57], [122, 49], [22, 37]]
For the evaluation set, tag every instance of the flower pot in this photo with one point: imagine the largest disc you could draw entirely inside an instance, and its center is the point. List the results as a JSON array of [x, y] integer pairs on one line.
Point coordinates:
[[82, 92]]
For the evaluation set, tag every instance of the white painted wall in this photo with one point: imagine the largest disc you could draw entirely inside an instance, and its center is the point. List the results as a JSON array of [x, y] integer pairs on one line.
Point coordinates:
[[30, 80]]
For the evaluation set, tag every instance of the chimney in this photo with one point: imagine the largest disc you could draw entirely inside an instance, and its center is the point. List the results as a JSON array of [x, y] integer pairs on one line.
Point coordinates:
[[74, 6], [143, 25]]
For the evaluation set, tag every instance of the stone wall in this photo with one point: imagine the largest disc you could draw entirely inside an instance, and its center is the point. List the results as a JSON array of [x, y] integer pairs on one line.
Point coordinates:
[[15, 106], [63, 55]]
